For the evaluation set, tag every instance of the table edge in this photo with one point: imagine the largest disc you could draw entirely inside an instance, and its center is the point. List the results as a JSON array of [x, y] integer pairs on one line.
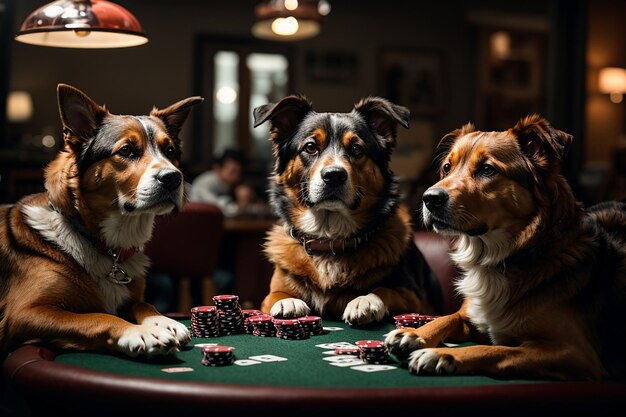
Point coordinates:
[[33, 368]]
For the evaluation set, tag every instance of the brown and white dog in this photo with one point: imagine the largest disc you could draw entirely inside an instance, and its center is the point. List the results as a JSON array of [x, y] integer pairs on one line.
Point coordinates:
[[72, 270], [344, 247], [544, 280]]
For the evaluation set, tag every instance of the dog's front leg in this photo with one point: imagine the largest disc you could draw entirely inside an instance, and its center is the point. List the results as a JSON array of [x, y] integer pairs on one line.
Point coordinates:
[[455, 326], [373, 307], [539, 359], [63, 329], [280, 302], [147, 315]]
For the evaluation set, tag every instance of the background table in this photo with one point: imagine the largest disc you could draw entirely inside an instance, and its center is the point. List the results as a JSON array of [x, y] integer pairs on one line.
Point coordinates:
[[306, 384]]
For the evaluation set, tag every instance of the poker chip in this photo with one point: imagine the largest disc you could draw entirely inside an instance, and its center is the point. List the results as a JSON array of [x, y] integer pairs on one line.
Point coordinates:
[[289, 329], [312, 325], [231, 318], [413, 320], [218, 355], [204, 321], [262, 325], [373, 351]]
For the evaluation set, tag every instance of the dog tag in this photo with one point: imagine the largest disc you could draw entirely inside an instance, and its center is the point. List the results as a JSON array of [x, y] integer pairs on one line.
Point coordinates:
[[118, 275]]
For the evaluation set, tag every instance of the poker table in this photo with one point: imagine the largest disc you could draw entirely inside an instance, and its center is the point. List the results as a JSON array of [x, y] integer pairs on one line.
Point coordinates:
[[277, 376]]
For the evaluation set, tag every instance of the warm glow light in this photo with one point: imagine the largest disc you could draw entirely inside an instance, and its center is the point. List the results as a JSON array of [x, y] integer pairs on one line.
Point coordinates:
[[291, 4], [19, 107], [226, 95], [285, 26], [500, 44], [48, 141], [612, 81]]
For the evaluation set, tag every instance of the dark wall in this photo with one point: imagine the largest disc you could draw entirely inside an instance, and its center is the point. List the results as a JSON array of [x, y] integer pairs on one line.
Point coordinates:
[[159, 73]]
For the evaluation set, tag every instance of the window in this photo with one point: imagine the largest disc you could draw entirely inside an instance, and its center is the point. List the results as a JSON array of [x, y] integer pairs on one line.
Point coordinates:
[[235, 77]]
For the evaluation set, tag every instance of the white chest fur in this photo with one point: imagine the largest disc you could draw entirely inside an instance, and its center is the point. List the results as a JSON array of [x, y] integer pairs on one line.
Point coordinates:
[[487, 290], [56, 228]]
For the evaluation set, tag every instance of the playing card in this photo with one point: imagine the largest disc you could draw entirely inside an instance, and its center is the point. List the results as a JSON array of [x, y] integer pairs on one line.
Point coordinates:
[[267, 358], [177, 370], [373, 368], [246, 362], [336, 345]]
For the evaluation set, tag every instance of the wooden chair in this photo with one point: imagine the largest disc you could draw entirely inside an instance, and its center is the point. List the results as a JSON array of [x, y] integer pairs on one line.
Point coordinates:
[[185, 246]]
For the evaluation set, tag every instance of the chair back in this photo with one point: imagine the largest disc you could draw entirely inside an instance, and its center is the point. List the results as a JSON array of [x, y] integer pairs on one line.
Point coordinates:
[[436, 251], [187, 244]]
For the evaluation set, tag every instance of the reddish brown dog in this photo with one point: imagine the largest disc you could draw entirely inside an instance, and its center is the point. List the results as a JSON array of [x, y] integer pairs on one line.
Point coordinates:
[[544, 280], [71, 262]]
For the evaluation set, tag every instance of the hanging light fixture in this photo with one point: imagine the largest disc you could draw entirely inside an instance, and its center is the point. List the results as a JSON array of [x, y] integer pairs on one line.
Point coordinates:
[[289, 20], [82, 24]]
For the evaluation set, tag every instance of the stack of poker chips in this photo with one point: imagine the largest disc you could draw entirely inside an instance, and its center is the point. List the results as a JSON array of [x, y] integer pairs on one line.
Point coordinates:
[[373, 351], [218, 355], [262, 325], [312, 325], [289, 329], [230, 314], [413, 320], [204, 321], [247, 326]]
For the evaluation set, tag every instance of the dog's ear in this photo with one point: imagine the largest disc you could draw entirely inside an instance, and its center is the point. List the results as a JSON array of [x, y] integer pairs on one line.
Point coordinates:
[[539, 141], [383, 117], [174, 116], [80, 115], [285, 116]]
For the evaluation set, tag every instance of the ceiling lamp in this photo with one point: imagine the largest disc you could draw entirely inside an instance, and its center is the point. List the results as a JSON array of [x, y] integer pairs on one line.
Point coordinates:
[[82, 24], [289, 20]]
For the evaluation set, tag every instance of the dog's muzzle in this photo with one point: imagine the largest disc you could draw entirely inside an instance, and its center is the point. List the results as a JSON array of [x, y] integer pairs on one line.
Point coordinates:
[[169, 179], [435, 199]]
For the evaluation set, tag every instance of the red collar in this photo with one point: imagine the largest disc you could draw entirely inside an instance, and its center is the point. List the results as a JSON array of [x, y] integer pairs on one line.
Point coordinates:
[[120, 255], [314, 246]]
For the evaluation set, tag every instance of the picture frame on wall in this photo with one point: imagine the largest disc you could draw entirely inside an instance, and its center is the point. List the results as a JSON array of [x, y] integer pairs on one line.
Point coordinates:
[[412, 78]]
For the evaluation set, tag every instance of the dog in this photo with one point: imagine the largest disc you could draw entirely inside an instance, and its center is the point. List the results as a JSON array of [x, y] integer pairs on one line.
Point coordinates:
[[543, 279], [343, 246], [72, 270]]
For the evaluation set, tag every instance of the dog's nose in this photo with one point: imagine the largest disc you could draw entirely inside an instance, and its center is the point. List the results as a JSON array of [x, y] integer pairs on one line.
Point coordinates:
[[435, 198], [170, 179], [334, 176]]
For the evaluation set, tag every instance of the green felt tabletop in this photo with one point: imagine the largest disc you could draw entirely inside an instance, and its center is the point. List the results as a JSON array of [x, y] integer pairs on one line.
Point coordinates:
[[305, 365]]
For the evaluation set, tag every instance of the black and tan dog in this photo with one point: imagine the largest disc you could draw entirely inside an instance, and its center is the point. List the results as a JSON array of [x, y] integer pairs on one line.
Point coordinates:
[[544, 281], [72, 270], [345, 246]]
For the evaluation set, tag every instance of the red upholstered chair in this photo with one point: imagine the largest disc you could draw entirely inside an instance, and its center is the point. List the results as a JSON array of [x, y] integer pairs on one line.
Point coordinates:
[[185, 246], [435, 249]]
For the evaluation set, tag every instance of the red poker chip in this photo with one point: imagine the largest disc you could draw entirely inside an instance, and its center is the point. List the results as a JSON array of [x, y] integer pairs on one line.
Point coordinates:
[[204, 309], [260, 319], [286, 322], [408, 316], [218, 349], [225, 297], [309, 319], [370, 343]]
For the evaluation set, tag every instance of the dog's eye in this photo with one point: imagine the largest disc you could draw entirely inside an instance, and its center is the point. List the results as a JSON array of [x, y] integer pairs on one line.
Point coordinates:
[[356, 150], [446, 167], [126, 151], [170, 152], [487, 170], [310, 148]]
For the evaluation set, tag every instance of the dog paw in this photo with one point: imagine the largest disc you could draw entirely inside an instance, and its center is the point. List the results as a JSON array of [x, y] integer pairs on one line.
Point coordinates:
[[402, 342], [179, 330], [364, 310], [431, 362], [147, 341], [289, 307]]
